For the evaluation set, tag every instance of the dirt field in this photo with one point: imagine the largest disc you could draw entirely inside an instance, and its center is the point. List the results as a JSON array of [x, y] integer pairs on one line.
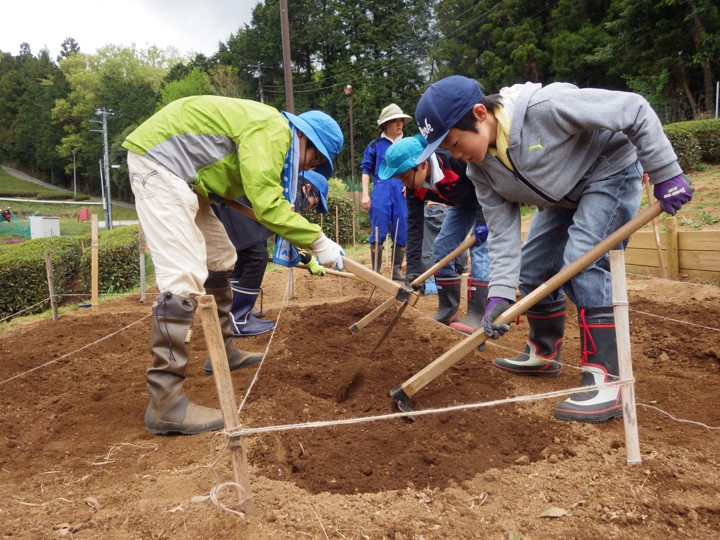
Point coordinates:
[[76, 462]]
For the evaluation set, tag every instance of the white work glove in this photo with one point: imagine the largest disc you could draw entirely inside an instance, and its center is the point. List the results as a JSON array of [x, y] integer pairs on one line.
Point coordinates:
[[328, 252]]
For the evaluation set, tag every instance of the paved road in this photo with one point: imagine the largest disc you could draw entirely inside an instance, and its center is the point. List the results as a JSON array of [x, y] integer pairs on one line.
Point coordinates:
[[22, 176]]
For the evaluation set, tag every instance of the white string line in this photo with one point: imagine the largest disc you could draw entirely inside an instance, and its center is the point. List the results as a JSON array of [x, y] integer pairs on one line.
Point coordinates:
[[285, 302], [677, 419], [26, 309], [675, 320], [391, 416], [73, 352]]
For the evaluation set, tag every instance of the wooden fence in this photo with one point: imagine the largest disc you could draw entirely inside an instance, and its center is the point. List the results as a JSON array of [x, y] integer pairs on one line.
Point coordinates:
[[691, 255]]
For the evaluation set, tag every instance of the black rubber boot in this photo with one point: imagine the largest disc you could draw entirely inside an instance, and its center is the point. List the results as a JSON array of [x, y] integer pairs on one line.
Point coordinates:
[[218, 284], [398, 258], [599, 365], [170, 410], [477, 300], [448, 299], [376, 258], [541, 357]]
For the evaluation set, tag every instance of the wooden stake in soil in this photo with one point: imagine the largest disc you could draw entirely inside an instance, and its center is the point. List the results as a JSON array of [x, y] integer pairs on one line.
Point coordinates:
[[141, 249], [661, 259], [226, 395], [51, 285], [94, 262], [622, 329], [337, 225]]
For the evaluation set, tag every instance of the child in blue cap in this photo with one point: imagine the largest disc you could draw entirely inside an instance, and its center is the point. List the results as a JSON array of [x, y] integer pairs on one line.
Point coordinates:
[[578, 155], [250, 240], [442, 178], [211, 146]]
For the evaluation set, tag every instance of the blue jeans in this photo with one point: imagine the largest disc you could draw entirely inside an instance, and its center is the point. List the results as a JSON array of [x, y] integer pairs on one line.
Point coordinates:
[[558, 236], [458, 223]]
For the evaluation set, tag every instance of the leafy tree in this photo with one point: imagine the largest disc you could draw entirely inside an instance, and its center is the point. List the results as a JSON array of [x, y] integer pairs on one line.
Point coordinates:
[[194, 83]]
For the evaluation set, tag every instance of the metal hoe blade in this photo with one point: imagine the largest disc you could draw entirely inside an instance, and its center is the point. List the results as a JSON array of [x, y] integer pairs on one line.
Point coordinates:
[[390, 326]]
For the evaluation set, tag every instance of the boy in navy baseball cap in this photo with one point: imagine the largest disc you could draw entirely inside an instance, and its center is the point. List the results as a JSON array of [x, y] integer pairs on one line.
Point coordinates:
[[579, 156]]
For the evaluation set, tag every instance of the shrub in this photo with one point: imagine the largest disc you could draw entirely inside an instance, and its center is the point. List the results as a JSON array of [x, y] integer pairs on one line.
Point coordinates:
[[23, 276], [695, 142], [120, 262], [337, 198]]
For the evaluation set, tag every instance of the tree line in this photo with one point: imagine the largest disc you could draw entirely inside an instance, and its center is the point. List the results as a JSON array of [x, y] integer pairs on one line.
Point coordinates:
[[385, 50]]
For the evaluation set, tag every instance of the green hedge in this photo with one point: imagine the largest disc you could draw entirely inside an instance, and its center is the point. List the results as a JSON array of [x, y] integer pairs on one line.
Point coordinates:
[[23, 277], [337, 198], [695, 142]]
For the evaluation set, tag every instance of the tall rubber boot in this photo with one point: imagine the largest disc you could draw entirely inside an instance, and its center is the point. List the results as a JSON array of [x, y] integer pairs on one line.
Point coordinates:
[[170, 411], [376, 258], [218, 284], [243, 322], [257, 313], [541, 357], [448, 299], [599, 365], [477, 300], [398, 258]]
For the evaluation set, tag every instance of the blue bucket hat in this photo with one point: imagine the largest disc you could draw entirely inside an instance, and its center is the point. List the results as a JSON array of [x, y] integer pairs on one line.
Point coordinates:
[[442, 105], [323, 132], [321, 183], [401, 156]]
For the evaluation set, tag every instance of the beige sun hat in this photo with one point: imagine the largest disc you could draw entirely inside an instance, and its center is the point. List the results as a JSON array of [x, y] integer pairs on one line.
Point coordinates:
[[392, 112]]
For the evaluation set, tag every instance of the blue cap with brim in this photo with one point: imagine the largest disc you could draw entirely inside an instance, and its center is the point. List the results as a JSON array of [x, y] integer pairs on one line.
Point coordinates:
[[323, 132], [321, 183], [401, 156], [442, 105]]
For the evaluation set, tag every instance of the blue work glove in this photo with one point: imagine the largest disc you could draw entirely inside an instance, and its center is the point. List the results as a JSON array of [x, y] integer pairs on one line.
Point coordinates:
[[673, 193], [315, 268], [481, 233], [328, 252], [495, 306]]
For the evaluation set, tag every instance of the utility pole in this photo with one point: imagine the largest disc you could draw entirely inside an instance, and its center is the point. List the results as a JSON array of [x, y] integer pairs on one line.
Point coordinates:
[[105, 178], [287, 62], [74, 176], [349, 92]]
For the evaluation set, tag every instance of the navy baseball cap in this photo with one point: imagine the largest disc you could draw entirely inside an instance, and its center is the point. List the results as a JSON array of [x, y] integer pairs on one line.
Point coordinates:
[[441, 106]]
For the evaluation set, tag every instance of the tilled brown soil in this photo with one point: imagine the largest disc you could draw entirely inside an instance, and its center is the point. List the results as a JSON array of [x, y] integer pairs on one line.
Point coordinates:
[[76, 462]]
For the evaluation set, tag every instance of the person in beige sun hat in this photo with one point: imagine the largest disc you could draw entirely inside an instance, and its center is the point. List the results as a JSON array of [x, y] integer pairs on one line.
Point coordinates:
[[386, 203]]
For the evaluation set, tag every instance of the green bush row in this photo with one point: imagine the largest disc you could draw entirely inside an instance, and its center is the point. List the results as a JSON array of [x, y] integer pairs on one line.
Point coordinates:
[[23, 276], [695, 142], [337, 199]]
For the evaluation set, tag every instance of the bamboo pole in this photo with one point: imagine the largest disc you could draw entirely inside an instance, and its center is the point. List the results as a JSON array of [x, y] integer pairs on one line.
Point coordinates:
[[661, 259], [141, 249], [94, 263], [226, 395], [337, 226], [671, 241], [51, 285], [622, 329]]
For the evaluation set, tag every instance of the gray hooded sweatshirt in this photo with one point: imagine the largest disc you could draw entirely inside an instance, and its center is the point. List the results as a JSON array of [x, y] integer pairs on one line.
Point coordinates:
[[561, 137]]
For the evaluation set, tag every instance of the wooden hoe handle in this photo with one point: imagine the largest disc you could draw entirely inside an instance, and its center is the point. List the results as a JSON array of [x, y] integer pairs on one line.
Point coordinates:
[[430, 372]]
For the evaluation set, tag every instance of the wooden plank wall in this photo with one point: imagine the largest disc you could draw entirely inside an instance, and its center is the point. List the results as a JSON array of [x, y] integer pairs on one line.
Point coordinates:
[[691, 255]]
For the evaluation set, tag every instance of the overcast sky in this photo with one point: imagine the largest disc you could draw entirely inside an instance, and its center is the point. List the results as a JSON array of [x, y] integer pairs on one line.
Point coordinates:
[[188, 25]]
